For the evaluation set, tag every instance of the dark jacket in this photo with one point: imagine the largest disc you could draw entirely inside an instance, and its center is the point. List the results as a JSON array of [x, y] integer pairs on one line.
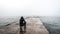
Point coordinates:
[[22, 22]]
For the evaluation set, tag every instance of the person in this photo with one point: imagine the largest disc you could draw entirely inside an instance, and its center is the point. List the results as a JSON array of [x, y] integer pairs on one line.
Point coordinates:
[[22, 23]]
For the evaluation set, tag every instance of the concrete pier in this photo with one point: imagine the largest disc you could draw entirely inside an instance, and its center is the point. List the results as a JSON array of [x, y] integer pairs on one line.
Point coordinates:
[[33, 26]]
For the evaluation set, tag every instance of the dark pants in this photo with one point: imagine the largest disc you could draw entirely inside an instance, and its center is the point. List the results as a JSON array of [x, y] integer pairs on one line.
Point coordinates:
[[23, 27]]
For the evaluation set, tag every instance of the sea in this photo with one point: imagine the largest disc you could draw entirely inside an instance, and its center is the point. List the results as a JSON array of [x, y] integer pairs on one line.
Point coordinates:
[[7, 20], [52, 23]]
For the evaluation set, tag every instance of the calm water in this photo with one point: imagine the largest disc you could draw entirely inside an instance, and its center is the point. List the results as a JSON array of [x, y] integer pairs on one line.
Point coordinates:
[[8, 20], [52, 24]]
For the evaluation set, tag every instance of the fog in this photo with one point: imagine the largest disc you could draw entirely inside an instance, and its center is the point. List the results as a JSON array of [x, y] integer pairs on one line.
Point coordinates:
[[29, 7]]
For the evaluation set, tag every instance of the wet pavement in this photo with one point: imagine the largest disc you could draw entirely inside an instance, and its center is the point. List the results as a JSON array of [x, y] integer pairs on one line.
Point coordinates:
[[33, 26]]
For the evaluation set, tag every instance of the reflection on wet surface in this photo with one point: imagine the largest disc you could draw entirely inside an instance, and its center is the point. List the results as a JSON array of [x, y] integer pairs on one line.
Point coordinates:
[[22, 32], [22, 29]]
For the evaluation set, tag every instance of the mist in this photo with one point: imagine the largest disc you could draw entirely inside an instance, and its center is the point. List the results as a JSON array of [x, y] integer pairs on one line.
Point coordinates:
[[29, 8]]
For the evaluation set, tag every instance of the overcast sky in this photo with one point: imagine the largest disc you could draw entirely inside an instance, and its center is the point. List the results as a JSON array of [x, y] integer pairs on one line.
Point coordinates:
[[29, 7]]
